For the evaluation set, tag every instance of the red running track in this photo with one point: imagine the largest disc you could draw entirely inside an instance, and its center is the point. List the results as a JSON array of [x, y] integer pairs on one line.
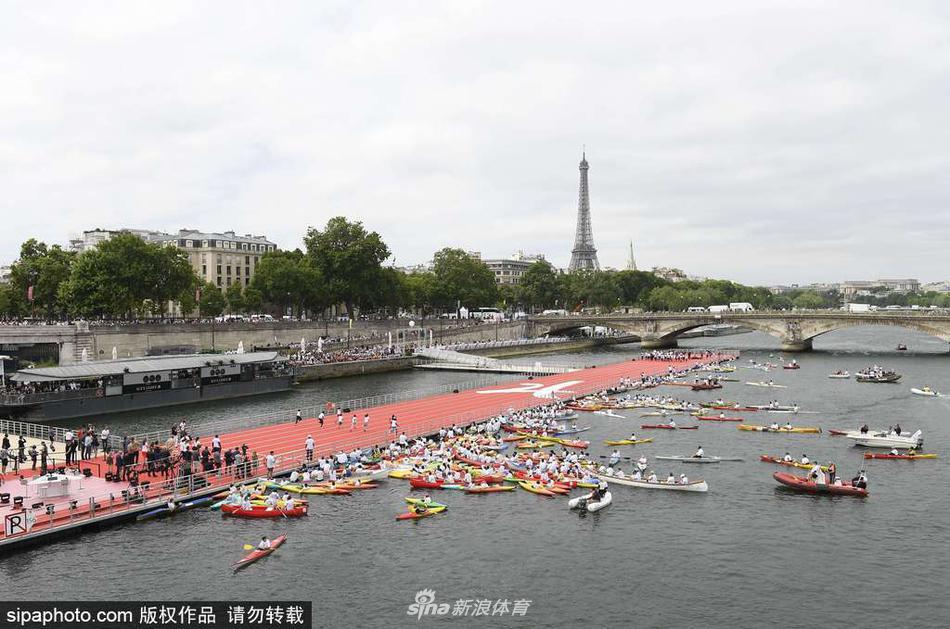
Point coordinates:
[[426, 415]]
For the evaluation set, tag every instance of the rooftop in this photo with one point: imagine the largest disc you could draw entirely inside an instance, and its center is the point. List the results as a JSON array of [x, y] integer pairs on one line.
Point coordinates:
[[95, 369]]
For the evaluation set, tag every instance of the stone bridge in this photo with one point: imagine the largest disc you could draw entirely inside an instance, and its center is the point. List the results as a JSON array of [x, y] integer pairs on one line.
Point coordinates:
[[795, 329], [67, 342]]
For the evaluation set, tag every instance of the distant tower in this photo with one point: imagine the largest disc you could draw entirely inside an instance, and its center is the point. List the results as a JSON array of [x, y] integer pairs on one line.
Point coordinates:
[[631, 262], [584, 254]]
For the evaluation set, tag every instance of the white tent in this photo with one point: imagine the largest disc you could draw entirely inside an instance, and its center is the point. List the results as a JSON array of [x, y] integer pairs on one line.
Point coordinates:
[[320, 345], [85, 354], [240, 349], [115, 353], [303, 345]]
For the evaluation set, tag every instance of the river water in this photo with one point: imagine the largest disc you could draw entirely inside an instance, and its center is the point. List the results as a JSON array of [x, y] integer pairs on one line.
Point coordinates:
[[745, 554]]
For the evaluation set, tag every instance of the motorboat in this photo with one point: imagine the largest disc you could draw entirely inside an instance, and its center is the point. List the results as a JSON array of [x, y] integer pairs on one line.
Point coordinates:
[[925, 391], [887, 440]]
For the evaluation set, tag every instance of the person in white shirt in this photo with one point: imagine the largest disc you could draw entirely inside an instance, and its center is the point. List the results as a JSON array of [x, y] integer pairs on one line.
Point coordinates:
[[787, 458], [365, 422], [270, 462], [818, 474], [805, 459], [671, 479], [699, 453], [264, 543], [652, 477], [309, 444]]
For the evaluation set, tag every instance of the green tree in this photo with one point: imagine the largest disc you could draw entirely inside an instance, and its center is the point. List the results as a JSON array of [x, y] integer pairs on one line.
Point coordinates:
[[46, 269], [125, 275], [289, 279], [212, 302], [253, 299], [460, 277], [808, 301], [419, 289], [235, 297], [350, 260], [634, 286], [539, 287]]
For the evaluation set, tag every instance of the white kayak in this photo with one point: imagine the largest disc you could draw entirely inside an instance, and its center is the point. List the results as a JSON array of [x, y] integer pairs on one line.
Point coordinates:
[[609, 414], [693, 459], [583, 502], [696, 485], [840, 376], [926, 391], [771, 385]]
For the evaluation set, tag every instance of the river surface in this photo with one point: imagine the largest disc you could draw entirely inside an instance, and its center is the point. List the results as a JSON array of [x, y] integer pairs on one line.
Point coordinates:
[[746, 554]]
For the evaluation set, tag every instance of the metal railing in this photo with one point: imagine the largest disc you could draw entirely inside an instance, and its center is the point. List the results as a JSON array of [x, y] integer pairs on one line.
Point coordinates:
[[32, 431], [13, 399]]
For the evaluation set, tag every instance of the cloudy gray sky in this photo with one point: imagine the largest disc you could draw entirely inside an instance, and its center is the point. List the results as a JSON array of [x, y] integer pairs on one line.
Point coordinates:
[[766, 142]]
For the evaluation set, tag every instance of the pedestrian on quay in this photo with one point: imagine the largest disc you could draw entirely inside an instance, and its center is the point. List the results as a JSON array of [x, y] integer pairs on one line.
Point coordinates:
[[271, 463], [298, 418], [310, 445]]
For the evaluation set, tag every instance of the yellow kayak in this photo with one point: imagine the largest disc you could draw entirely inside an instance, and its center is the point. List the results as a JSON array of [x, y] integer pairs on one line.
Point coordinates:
[[792, 430], [626, 442], [400, 474], [529, 444]]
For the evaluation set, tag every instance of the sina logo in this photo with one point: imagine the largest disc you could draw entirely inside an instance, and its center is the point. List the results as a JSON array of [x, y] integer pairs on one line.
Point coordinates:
[[425, 605]]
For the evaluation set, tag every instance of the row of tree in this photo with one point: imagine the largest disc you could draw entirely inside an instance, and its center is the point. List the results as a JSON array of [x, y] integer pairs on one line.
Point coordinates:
[[343, 264]]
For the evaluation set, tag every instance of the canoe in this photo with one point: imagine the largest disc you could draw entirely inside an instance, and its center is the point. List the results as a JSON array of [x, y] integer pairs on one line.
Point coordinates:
[[415, 501], [263, 512], [626, 442], [668, 427], [693, 459], [793, 430], [738, 409], [871, 455], [705, 387], [573, 431], [258, 554], [491, 489], [713, 418], [184, 506], [609, 413], [766, 384], [798, 464], [534, 488], [412, 515], [694, 486], [810, 487]]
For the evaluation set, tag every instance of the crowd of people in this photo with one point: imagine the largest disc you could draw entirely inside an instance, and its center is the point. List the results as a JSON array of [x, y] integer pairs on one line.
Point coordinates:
[[311, 356]]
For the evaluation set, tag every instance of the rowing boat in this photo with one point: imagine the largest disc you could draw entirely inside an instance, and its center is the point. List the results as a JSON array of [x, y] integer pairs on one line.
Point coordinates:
[[259, 553], [695, 459], [695, 486], [626, 442], [257, 511], [797, 464], [840, 376], [668, 427], [609, 413], [810, 487], [713, 418], [798, 430], [770, 385]]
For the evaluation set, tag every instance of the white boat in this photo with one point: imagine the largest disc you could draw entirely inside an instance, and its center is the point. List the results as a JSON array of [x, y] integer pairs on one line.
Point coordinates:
[[840, 376], [584, 502], [771, 385], [696, 485], [693, 459], [926, 391], [609, 413], [888, 440]]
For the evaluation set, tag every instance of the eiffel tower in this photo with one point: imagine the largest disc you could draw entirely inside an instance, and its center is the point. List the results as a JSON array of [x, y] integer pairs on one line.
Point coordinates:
[[584, 253]]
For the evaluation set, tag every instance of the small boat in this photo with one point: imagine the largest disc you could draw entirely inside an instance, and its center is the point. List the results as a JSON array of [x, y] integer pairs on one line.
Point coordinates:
[[716, 418], [668, 427], [626, 442], [694, 459], [572, 431], [258, 553], [705, 386], [770, 385], [909, 456], [840, 375], [735, 408], [183, 506], [888, 440], [536, 488], [798, 464], [926, 391], [792, 430], [489, 489], [693, 486], [260, 511], [791, 366], [412, 514], [810, 487], [584, 502], [901, 347], [885, 377], [609, 413]]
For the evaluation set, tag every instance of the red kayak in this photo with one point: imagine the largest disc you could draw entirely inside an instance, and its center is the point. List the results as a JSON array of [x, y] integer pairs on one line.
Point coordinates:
[[668, 427], [807, 486], [870, 455], [257, 554], [257, 511], [420, 483], [714, 418]]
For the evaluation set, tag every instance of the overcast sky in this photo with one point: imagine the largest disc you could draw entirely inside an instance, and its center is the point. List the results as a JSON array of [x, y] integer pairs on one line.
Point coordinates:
[[766, 142]]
